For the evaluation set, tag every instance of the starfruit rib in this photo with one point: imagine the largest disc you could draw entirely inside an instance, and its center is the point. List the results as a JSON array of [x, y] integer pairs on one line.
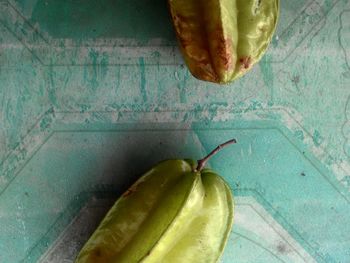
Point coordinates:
[[229, 198], [180, 223], [187, 20], [129, 213], [257, 22], [222, 36], [160, 220], [205, 237], [209, 46]]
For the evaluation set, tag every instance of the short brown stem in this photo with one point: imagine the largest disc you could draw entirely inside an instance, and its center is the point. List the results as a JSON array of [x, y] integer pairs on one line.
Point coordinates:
[[202, 162]]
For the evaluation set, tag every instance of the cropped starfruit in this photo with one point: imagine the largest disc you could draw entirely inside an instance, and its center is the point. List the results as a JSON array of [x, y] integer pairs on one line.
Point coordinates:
[[222, 39]]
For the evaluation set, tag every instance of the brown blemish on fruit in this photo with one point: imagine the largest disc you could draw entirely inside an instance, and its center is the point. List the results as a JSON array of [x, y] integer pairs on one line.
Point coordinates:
[[245, 62], [182, 29], [224, 49], [97, 253], [257, 7], [196, 49], [203, 72], [128, 192], [132, 189], [262, 28]]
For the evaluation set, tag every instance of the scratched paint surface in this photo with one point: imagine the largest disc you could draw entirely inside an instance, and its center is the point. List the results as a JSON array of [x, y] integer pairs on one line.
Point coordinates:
[[94, 94]]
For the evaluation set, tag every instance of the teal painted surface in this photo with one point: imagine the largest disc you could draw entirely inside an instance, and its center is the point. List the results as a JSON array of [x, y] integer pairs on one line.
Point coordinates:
[[94, 94]]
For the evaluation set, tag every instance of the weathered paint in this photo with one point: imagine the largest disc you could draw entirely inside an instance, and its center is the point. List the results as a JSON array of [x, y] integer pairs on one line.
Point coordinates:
[[87, 107]]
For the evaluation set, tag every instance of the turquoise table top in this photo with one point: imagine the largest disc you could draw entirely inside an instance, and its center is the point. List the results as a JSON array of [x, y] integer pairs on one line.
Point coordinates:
[[94, 93]]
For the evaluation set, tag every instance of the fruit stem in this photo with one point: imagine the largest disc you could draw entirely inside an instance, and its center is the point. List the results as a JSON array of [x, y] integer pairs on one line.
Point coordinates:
[[202, 162]]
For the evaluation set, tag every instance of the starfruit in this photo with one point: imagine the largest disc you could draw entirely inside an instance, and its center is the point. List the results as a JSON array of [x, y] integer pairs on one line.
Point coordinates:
[[176, 212], [222, 39]]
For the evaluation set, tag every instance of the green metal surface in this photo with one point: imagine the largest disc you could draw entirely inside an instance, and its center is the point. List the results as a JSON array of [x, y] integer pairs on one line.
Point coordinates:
[[94, 93]]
